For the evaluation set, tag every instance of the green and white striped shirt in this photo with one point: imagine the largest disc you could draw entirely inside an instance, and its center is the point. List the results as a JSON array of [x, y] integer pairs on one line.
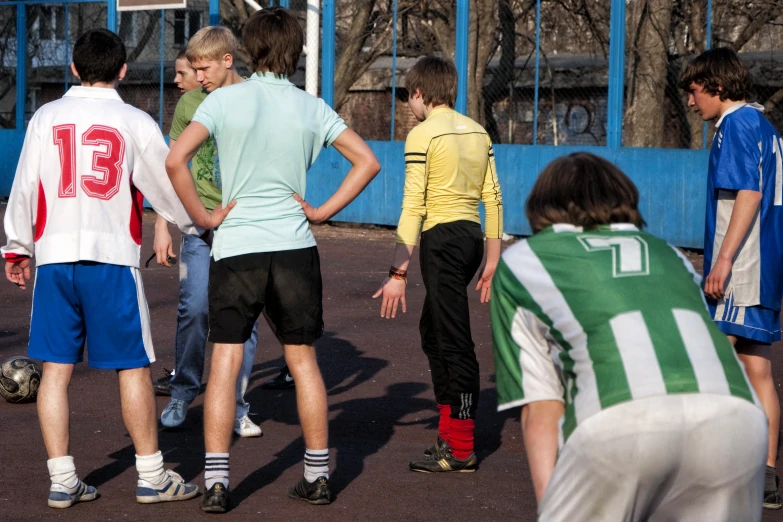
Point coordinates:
[[601, 317]]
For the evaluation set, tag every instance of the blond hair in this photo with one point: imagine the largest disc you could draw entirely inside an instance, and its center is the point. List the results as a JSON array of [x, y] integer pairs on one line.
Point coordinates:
[[212, 43]]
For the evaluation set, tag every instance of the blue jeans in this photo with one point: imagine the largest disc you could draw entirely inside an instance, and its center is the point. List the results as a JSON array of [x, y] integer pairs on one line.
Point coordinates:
[[192, 326]]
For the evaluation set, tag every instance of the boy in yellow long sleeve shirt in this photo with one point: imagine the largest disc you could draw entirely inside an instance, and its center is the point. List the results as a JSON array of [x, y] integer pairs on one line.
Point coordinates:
[[449, 169]]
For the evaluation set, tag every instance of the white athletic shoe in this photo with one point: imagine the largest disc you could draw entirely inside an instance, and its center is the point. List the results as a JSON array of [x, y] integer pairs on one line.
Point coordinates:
[[175, 488], [244, 427], [62, 497]]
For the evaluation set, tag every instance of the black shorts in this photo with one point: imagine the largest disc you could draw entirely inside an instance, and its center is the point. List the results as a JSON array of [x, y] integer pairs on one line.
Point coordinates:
[[287, 283]]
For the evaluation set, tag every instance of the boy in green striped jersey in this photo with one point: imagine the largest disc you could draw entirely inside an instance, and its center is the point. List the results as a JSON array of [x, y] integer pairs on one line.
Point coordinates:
[[635, 406]]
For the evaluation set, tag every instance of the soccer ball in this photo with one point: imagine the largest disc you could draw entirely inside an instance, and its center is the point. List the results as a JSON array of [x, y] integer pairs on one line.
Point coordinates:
[[19, 379]]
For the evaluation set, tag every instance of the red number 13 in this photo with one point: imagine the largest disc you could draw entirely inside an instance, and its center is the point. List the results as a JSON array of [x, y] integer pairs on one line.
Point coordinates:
[[108, 161]]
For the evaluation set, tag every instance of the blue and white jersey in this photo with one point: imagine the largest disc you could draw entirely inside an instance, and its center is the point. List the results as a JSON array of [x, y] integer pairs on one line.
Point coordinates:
[[746, 155]]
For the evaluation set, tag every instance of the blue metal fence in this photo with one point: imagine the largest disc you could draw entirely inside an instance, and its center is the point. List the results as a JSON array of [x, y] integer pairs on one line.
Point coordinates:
[[671, 182]]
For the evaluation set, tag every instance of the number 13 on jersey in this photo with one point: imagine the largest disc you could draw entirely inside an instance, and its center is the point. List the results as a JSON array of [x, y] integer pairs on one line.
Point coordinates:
[[106, 159]]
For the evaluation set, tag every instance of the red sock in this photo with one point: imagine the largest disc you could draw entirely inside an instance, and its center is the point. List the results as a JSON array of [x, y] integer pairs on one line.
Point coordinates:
[[461, 437], [445, 421]]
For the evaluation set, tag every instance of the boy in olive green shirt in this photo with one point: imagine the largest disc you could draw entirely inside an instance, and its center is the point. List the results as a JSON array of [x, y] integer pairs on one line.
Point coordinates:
[[205, 165]]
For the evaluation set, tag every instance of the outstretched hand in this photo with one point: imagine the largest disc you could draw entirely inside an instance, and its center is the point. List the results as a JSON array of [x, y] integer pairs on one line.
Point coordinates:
[[18, 273], [217, 216], [313, 214], [393, 292], [485, 282]]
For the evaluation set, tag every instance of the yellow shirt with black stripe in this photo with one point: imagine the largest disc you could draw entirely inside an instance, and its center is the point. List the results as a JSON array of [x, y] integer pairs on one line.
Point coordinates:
[[449, 168]]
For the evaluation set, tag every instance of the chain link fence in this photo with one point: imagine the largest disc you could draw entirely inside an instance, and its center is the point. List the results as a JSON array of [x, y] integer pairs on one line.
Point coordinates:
[[378, 42], [663, 35], [375, 50], [8, 44], [153, 39], [573, 73], [52, 29], [763, 51]]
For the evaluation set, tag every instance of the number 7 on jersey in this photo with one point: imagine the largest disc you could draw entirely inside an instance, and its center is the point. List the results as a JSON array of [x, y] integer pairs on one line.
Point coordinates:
[[629, 253]]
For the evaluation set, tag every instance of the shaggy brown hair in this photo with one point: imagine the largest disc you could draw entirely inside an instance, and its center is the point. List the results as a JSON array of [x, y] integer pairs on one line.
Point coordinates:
[[584, 190], [274, 40], [437, 79], [720, 72]]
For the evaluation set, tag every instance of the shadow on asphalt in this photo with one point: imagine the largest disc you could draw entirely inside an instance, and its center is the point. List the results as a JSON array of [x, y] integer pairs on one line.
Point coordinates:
[[359, 427]]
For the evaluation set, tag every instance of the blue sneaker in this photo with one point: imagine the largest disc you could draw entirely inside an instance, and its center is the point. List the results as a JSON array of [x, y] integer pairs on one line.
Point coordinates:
[[61, 497], [175, 488], [174, 414]]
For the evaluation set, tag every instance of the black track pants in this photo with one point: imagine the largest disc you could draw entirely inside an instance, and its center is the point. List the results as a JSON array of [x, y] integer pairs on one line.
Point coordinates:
[[450, 255]]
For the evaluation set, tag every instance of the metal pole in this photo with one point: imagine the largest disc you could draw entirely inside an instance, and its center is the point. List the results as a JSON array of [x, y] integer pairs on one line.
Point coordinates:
[[67, 45], [538, 67], [111, 15], [394, 70], [327, 56], [162, 63], [21, 64], [614, 123], [461, 54], [708, 44], [214, 12], [312, 44]]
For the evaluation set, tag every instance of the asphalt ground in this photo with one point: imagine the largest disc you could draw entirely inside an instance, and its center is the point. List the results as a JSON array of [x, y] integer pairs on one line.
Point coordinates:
[[382, 414]]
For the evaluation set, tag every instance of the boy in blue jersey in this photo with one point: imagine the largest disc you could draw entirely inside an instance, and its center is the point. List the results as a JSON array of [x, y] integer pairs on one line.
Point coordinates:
[[743, 240], [269, 133]]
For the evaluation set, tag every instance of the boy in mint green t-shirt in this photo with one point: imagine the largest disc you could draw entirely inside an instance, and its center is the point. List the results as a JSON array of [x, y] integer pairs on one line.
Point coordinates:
[[264, 256]]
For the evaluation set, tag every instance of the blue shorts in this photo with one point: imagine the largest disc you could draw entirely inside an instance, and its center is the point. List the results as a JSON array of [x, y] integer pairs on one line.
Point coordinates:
[[755, 323], [101, 304]]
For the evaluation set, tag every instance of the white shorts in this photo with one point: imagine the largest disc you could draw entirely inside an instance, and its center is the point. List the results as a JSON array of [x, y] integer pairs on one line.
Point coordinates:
[[685, 458]]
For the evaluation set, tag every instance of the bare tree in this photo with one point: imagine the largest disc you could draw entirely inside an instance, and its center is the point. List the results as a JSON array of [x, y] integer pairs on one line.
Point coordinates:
[[649, 22], [364, 37]]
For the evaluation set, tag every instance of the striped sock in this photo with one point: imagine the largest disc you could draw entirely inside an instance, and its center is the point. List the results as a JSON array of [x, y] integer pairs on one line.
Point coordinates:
[[316, 464], [216, 469], [62, 470]]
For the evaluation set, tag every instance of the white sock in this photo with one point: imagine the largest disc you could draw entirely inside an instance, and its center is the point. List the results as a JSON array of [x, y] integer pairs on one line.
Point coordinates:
[[216, 469], [150, 468], [62, 471], [316, 464]]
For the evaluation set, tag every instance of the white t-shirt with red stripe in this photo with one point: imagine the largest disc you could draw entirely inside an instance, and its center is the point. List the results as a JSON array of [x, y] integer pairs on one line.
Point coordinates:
[[87, 164]]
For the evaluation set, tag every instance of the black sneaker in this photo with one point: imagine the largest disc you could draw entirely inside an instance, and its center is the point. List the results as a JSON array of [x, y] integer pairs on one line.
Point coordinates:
[[445, 461], [313, 492], [772, 498], [215, 500], [161, 386], [283, 381], [439, 447]]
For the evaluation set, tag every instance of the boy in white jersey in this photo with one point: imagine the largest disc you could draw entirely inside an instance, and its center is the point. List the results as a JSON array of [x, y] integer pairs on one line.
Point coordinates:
[[743, 236], [634, 405], [264, 257], [88, 161]]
